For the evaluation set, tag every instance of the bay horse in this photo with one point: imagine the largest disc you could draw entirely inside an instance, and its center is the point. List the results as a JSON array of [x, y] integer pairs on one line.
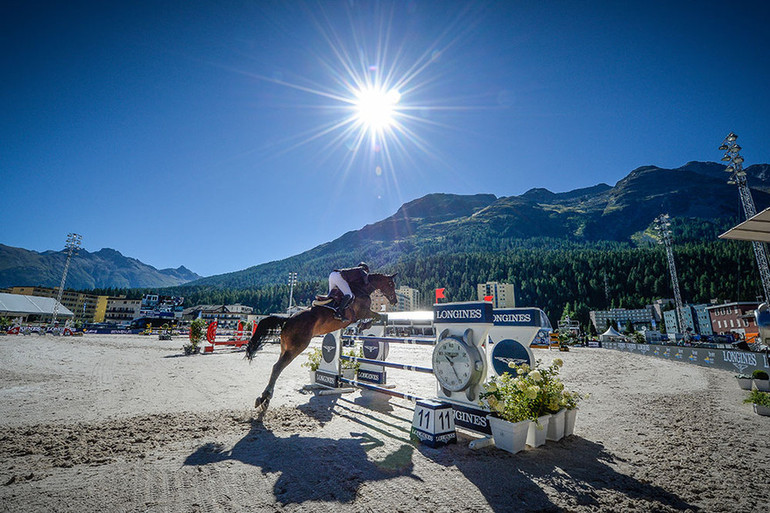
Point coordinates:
[[297, 330]]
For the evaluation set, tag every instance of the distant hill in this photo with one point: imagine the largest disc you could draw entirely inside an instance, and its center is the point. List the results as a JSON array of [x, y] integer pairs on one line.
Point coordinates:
[[106, 268], [454, 223]]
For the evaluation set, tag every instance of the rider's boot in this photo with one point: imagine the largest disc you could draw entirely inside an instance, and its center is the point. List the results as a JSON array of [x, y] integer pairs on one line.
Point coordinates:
[[339, 314]]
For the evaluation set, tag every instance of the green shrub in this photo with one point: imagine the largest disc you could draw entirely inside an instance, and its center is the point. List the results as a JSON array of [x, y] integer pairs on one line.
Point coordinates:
[[757, 397], [197, 331], [313, 359], [759, 374]]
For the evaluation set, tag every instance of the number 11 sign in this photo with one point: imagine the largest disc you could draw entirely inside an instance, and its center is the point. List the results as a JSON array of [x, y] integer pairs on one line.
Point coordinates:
[[433, 423]]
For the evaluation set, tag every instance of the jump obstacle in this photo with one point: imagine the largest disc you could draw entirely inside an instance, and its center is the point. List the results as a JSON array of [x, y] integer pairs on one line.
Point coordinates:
[[471, 337], [230, 339]]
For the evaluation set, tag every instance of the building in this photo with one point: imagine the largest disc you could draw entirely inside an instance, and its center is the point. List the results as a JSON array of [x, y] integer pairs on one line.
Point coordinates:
[[737, 318], [156, 306], [22, 309], [227, 316], [121, 310], [688, 320], [703, 319], [408, 300], [502, 294], [638, 317], [82, 305]]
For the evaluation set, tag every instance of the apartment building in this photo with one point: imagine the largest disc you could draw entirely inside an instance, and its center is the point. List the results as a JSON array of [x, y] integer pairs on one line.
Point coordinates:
[[502, 294]]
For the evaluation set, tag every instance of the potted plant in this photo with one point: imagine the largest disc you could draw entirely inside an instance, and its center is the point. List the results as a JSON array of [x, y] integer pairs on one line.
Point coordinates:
[[761, 401], [313, 362], [570, 401], [506, 398], [744, 381], [196, 336], [761, 380], [350, 367]]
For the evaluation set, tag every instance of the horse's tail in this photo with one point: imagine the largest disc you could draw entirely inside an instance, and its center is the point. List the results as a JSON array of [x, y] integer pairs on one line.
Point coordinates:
[[269, 326]]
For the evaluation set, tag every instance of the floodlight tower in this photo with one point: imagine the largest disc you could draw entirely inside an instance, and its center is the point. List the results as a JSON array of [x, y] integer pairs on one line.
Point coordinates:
[[738, 177], [663, 224], [72, 245], [292, 282]]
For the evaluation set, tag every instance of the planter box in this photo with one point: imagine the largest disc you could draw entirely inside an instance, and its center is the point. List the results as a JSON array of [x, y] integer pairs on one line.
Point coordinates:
[[569, 422], [349, 373], [555, 430], [762, 410], [537, 431], [509, 436], [763, 385], [312, 377], [744, 383]]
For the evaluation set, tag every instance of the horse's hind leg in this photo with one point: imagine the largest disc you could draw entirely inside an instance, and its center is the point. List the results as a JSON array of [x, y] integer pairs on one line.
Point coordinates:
[[264, 400]]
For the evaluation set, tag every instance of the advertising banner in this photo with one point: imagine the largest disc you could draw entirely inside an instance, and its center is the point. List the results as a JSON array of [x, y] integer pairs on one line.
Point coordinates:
[[741, 362]]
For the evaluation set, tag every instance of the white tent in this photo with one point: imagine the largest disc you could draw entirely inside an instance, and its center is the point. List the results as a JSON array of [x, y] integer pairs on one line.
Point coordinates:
[[18, 305], [610, 335]]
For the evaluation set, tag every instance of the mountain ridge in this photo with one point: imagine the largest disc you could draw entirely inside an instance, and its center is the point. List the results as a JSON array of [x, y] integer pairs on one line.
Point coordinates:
[[440, 223], [105, 268]]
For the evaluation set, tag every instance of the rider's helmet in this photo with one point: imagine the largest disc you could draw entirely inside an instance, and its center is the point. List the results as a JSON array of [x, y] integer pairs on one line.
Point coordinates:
[[363, 266]]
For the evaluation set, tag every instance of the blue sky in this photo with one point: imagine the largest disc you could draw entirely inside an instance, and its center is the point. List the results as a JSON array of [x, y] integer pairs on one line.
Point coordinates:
[[220, 135]]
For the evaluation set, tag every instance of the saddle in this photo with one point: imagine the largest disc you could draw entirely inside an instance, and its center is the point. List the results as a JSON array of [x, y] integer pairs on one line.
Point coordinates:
[[330, 300]]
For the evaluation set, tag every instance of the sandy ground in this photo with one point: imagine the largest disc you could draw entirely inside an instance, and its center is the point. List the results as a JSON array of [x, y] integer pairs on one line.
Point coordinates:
[[125, 423]]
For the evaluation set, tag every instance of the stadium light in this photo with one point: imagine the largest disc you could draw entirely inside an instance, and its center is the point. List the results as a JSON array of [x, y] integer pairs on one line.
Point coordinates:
[[738, 177]]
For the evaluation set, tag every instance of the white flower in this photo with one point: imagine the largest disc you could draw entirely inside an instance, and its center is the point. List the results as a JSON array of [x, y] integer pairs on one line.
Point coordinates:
[[536, 376]]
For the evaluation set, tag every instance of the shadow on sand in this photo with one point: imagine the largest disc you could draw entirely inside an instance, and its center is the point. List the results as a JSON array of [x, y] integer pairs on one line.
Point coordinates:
[[313, 468], [578, 470]]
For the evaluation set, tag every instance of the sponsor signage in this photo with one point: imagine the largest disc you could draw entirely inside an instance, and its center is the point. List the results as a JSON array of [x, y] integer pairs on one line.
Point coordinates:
[[472, 419], [371, 376], [509, 351], [323, 378], [744, 362], [375, 350], [517, 317], [329, 348], [463, 313]]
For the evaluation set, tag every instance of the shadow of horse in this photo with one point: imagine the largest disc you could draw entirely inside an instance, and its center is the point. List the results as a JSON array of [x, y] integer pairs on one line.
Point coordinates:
[[577, 469], [311, 468]]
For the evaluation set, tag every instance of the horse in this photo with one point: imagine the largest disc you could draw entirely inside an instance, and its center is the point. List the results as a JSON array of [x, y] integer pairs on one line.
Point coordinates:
[[297, 330]]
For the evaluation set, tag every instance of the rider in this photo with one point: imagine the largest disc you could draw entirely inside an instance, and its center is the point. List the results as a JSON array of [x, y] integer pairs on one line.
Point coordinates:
[[343, 279]]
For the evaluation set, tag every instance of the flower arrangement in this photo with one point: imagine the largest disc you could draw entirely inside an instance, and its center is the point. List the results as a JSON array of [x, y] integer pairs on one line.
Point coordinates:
[[528, 393], [314, 359]]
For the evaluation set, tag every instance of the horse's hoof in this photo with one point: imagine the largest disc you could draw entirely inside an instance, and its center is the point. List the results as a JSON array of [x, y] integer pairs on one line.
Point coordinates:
[[261, 404]]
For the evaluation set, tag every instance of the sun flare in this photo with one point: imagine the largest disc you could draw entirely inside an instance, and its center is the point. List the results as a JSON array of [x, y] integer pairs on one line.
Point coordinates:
[[376, 109]]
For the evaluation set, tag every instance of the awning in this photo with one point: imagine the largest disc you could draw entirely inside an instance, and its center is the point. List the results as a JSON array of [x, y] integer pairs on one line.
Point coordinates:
[[756, 228]]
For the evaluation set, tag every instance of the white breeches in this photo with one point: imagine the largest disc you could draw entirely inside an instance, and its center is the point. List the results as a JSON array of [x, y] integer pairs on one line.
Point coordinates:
[[336, 280]]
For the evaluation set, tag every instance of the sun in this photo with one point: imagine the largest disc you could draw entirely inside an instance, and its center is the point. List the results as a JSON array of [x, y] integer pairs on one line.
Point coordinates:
[[376, 108]]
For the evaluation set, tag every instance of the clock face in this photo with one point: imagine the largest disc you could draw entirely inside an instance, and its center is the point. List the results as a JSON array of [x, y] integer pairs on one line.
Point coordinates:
[[453, 364]]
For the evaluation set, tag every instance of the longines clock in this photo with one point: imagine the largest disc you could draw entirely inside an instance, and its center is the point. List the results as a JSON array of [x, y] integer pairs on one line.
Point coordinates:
[[457, 364]]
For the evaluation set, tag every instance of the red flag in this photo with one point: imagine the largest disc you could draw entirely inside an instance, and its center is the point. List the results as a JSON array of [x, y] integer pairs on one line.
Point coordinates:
[[489, 298], [440, 294]]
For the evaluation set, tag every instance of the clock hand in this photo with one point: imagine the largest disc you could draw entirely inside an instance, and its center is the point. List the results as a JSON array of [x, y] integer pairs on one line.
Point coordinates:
[[452, 364]]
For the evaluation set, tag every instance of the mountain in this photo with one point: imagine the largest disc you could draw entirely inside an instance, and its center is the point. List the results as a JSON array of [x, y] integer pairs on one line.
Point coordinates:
[[451, 223], [106, 268]]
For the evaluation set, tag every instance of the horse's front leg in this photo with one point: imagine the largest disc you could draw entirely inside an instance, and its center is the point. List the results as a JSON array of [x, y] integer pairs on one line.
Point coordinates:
[[370, 318]]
